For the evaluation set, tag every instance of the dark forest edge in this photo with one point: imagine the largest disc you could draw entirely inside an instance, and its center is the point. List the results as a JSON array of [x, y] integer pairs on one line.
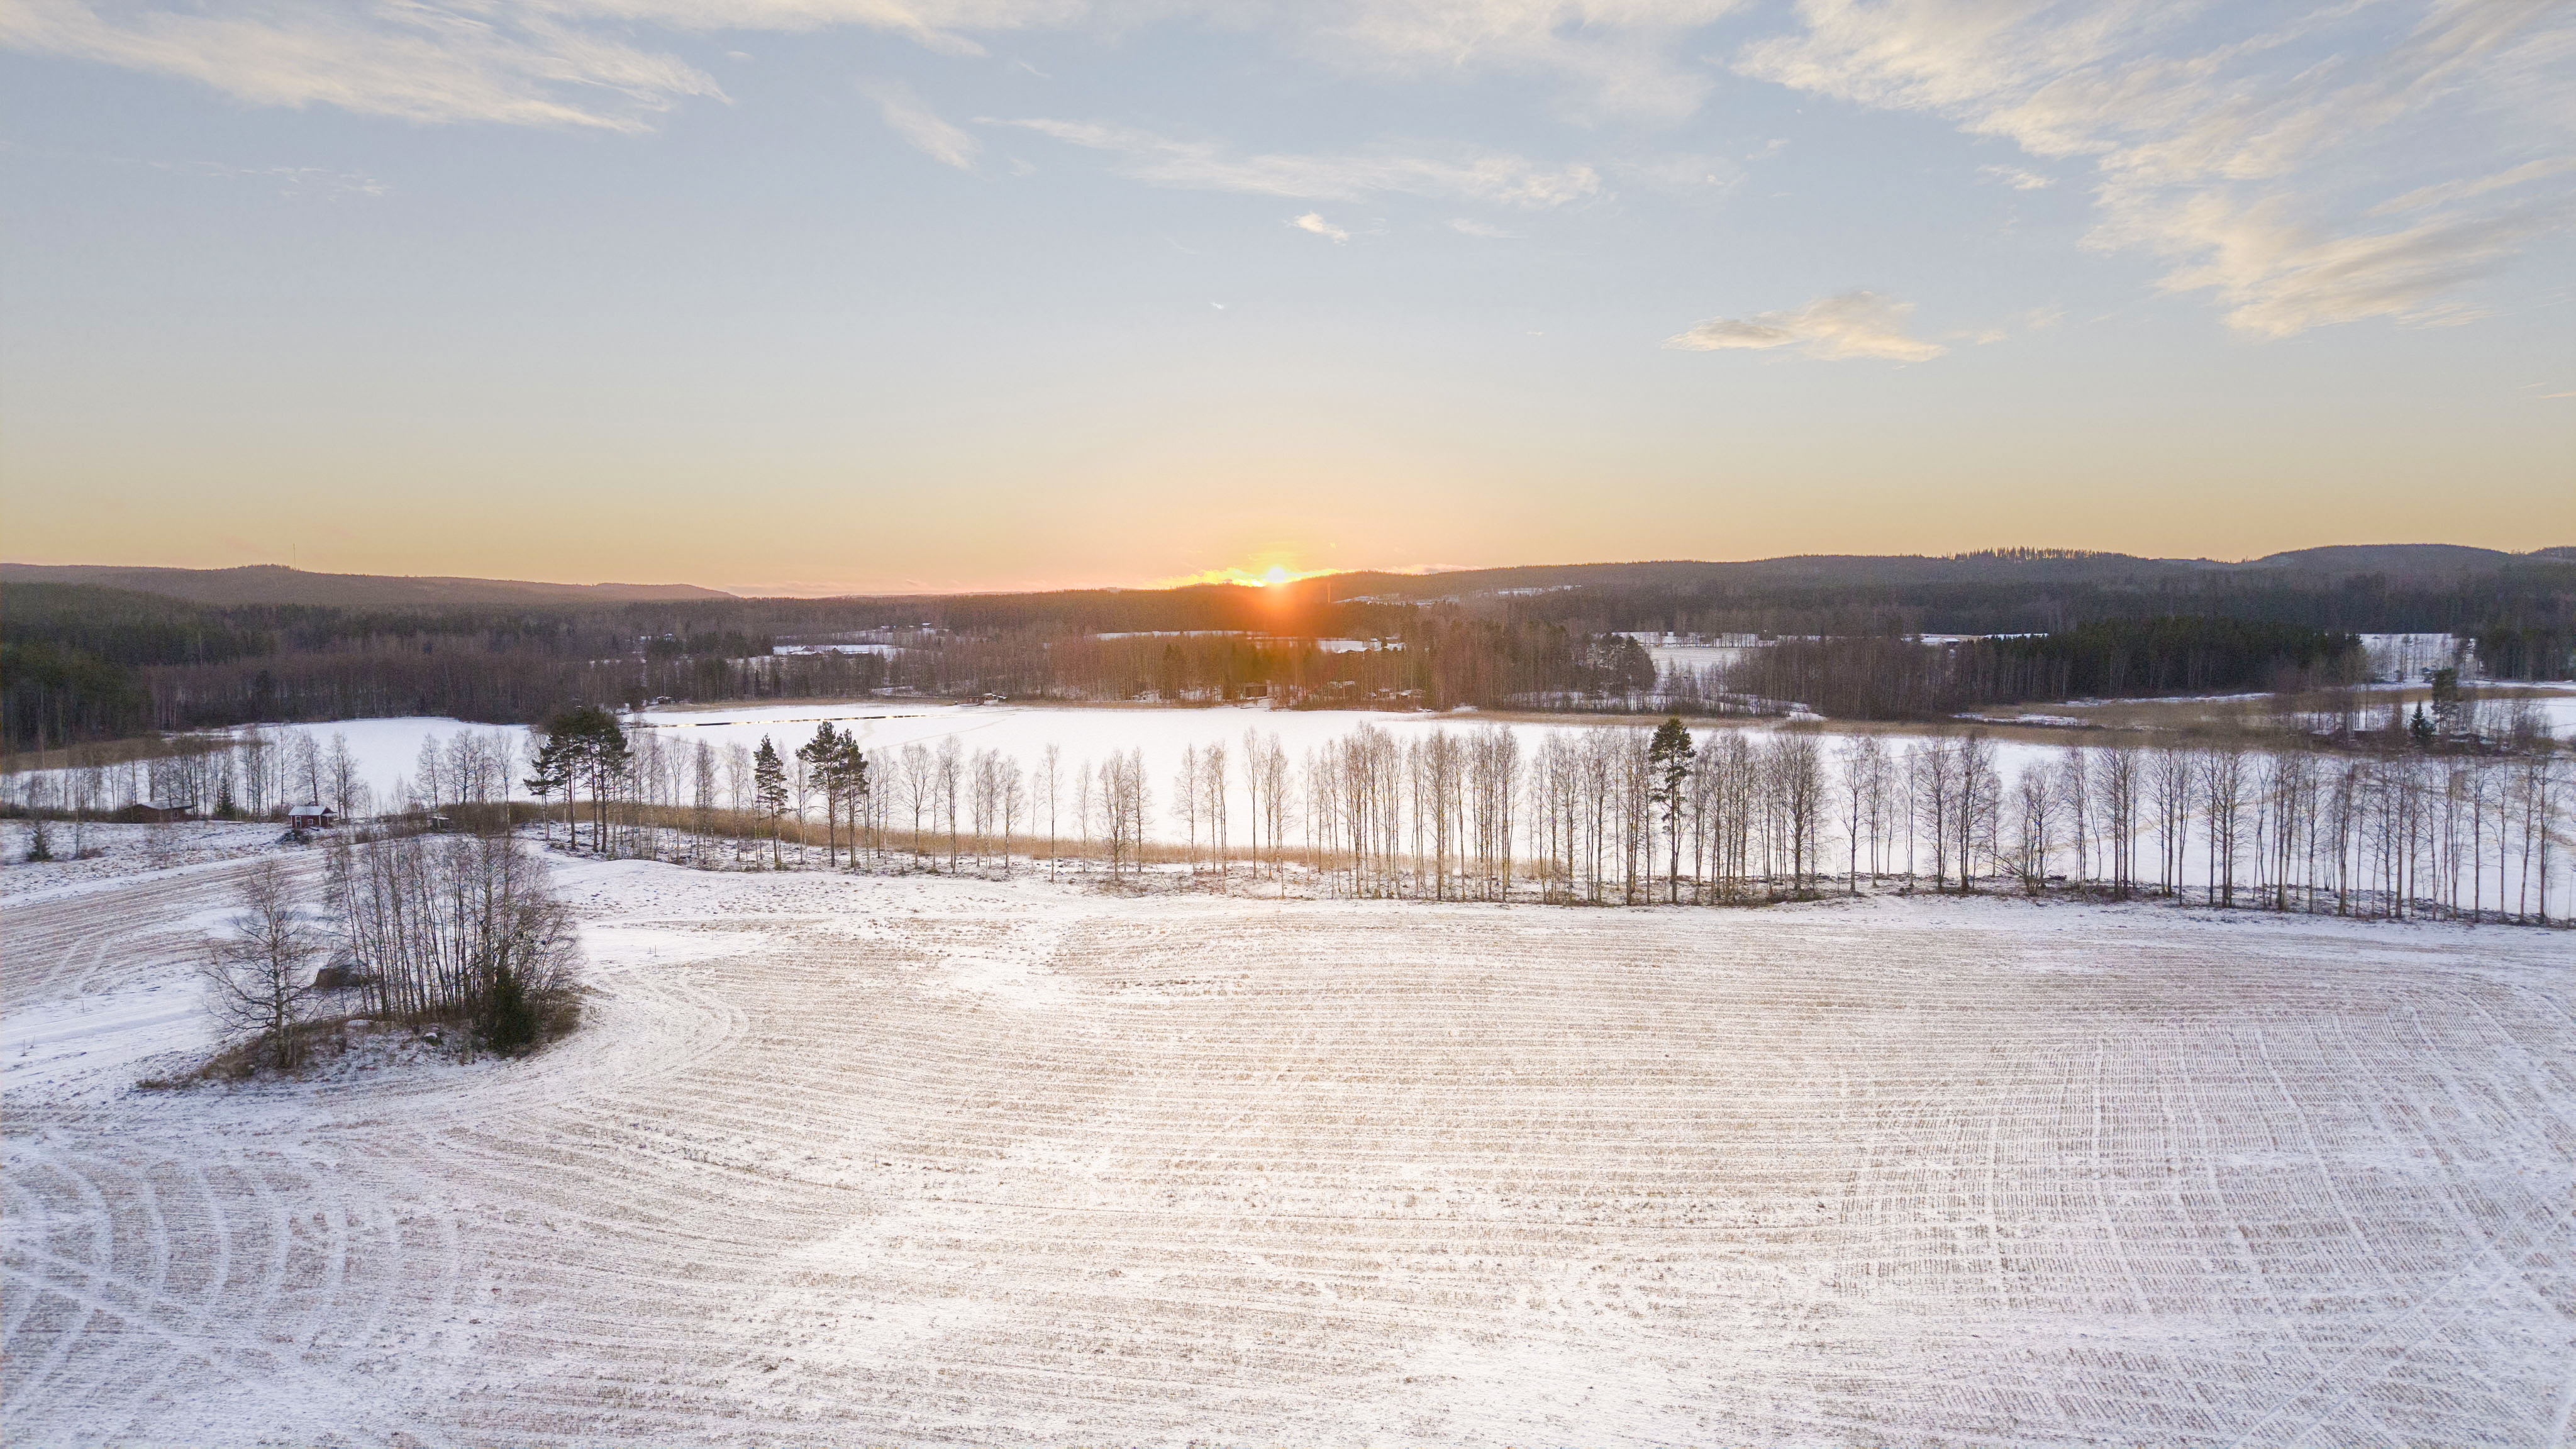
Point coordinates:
[[81, 661]]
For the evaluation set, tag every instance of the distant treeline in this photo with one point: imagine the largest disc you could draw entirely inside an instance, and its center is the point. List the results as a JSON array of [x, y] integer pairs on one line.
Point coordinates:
[[1882, 678], [84, 662], [522, 670], [2538, 595]]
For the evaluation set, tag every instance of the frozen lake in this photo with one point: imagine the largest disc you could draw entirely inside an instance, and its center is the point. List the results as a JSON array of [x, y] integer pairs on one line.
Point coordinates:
[[387, 750]]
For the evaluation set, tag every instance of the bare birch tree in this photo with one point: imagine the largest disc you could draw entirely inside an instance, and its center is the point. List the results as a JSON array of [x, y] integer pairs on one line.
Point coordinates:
[[259, 969]]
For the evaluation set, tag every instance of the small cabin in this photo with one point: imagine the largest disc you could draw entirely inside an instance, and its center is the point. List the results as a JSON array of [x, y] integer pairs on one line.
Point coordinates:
[[152, 814], [311, 817]]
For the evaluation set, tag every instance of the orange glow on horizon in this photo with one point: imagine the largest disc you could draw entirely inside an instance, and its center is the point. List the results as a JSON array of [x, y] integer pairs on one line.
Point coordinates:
[[1256, 576]]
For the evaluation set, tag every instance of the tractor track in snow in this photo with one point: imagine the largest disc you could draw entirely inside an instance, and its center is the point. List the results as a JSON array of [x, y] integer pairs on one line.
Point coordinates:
[[935, 1161]]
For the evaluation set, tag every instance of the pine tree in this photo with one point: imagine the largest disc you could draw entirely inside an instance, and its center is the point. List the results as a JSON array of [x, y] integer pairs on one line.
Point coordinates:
[[584, 744], [549, 772], [1670, 755], [821, 755], [849, 770], [605, 751], [769, 790]]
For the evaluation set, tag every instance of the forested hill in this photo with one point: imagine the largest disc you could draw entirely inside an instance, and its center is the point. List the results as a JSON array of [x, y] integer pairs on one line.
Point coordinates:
[[2414, 588], [2392, 588], [175, 649], [2376, 588], [269, 584]]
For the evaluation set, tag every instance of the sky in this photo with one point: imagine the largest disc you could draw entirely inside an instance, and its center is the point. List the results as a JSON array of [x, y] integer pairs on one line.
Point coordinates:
[[819, 296]]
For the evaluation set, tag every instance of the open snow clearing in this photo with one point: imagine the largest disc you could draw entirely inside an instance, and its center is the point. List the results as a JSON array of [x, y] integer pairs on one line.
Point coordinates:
[[920, 1160]]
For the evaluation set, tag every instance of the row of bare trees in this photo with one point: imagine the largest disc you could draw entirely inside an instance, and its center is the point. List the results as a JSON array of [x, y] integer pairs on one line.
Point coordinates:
[[1621, 813], [248, 774], [1626, 814]]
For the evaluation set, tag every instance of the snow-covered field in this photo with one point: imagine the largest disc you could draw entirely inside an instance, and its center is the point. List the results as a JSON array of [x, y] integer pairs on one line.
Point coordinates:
[[122, 855], [928, 1160]]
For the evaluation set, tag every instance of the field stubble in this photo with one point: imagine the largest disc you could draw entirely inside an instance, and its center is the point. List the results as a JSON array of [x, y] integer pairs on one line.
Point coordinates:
[[926, 1160]]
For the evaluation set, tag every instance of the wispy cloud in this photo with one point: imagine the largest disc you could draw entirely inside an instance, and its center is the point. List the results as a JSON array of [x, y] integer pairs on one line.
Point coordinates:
[[300, 180], [1629, 59], [921, 126], [1467, 227], [1681, 173], [2276, 165], [415, 61], [2246, 159], [287, 180], [576, 62], [2037, 319], [2447, 192], [1485, 176], [2015, 177], [946, 27], [1314, 222], [1847, 326], [2283, 277]]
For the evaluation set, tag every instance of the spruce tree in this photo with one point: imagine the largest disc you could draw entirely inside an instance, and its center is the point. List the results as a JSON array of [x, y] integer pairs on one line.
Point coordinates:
[[509, 1017], [2450, 707]]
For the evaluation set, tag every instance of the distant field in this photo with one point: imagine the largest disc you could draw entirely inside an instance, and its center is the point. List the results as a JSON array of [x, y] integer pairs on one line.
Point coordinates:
[[929, 1161]]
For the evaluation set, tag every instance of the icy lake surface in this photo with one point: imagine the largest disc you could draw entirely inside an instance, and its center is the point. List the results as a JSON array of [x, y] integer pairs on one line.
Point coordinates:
[[387, 750], [928, 1161]]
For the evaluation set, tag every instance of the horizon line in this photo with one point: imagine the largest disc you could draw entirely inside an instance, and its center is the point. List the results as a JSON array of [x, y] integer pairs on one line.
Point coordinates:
[[1228, 574]]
